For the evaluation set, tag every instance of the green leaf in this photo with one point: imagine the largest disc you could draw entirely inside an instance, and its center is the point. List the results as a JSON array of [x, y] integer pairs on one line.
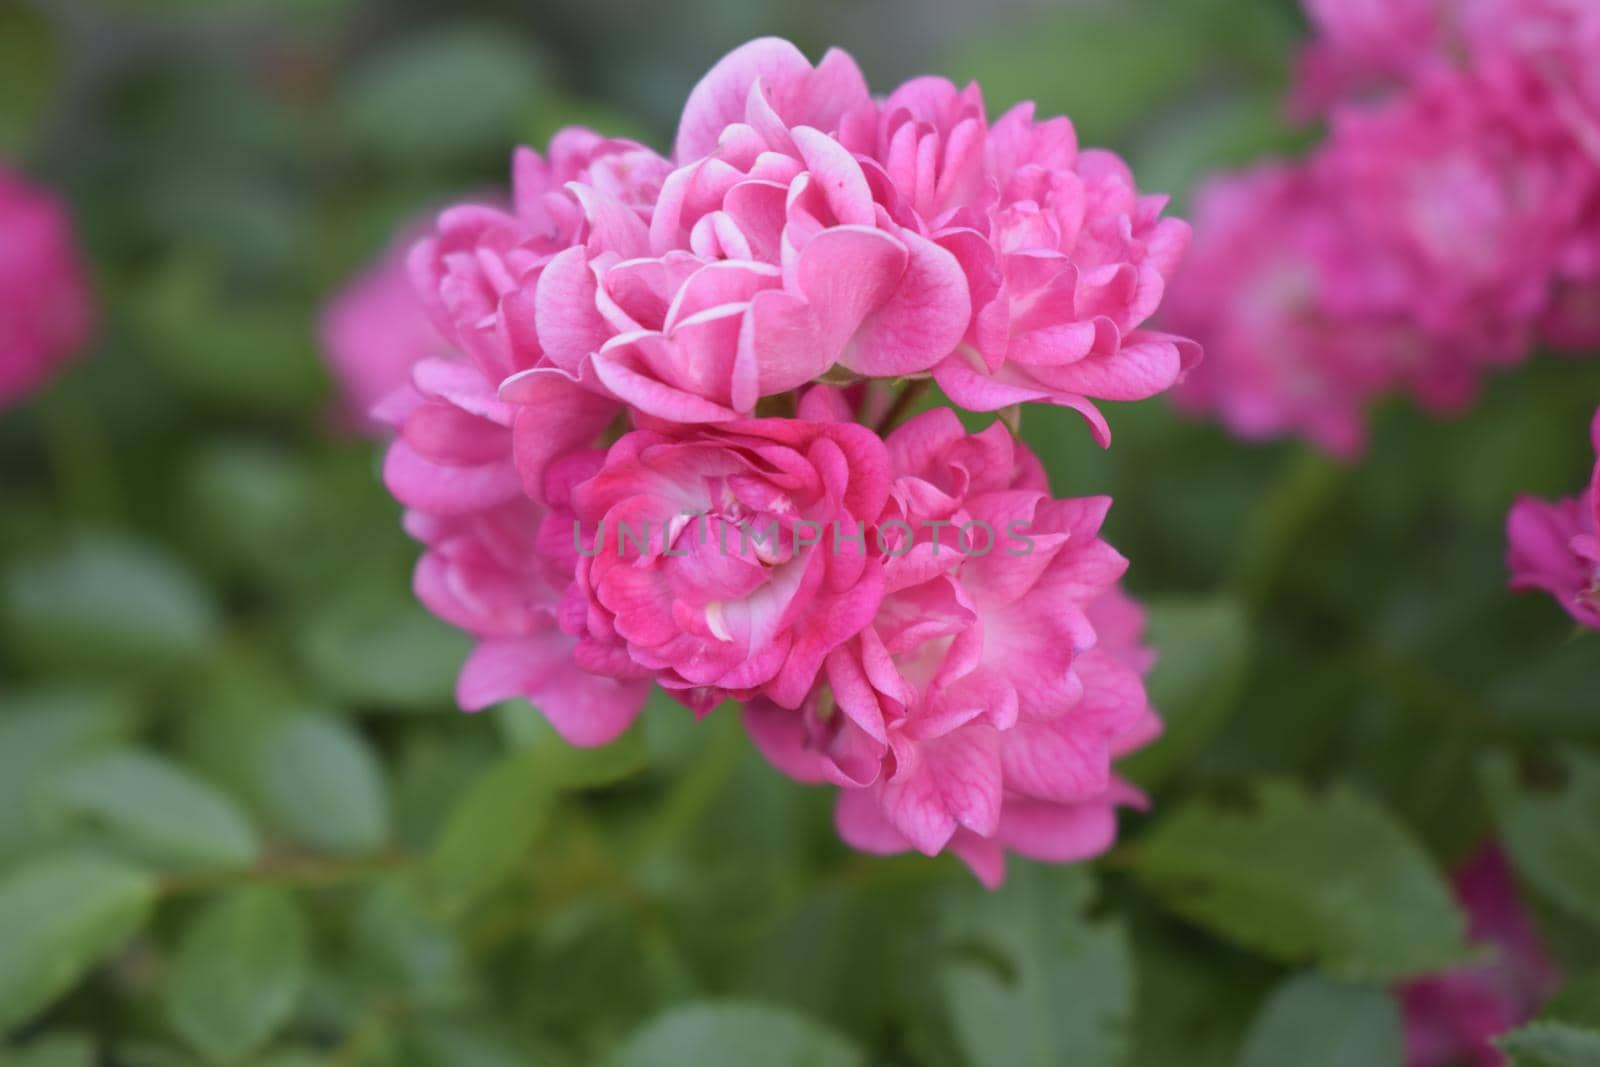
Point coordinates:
[[182, 317], [38, 730], [238, 973], [103, 603], [59, 916], [1184, 1013], [1552, 1044], [562, 765], [401, 947], [386, 652], [1312, 1022], [441, 96], [323, 784], [1203, 651], [489, 832], [1333, 880], [1038, 985], [734, 1032], [1553, 836], [59, 1050], [155, 806]]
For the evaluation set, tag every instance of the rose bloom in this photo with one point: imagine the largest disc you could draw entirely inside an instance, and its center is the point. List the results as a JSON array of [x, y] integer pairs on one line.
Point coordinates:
[[723, 560], [1270, 244], [982, 707], [808, 227], [1555, 546], [46, 313], [769, 257], [1064, 258], [373, 332], [1452, 1018]]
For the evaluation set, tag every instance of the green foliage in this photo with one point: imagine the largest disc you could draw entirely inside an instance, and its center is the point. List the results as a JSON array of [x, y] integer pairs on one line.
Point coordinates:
[[1552, 1045], [242, 823], [1334, 880], [239, 967], [1205, 650], [105, 604], [733, 1032], [1553, 835], [59, 917], [322, 783], [441, 96], [1312, 1022], [1035, 982], [155, 807]]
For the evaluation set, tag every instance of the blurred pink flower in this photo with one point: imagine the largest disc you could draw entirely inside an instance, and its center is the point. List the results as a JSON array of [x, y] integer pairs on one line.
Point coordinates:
[[1360, 47], [46, 310], [982, 707], [373, 332], [1466, 208], [1555, 546], [1269, 245], [1551, 41], [1452, 1018], [724, 560]]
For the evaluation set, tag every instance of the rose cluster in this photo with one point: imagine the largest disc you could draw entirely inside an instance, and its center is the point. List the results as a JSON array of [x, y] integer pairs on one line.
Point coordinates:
[[46, 313], [1447, 226], [651, 431]]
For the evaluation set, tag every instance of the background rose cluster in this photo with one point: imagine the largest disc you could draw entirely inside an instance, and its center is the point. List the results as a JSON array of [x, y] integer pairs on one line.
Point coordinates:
[[633, 339], [1446, 226]]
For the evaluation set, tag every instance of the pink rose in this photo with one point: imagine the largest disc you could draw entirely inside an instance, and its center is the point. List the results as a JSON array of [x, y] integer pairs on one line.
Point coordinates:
[[1066, 260], [46, 313], [724, 560], [770, 257], [1555, 546], [982, 707]]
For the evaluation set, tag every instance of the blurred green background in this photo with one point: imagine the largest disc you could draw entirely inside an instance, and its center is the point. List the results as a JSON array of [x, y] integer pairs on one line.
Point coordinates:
[[242, 823]]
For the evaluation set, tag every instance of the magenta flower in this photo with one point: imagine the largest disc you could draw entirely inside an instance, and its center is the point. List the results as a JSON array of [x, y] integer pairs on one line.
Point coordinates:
[[373, 332], [46, 312], [1466, 208], [1271, 246], [1363, 46], [1452, 1018], [725, 560], [1555, 546], [981, 708]]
